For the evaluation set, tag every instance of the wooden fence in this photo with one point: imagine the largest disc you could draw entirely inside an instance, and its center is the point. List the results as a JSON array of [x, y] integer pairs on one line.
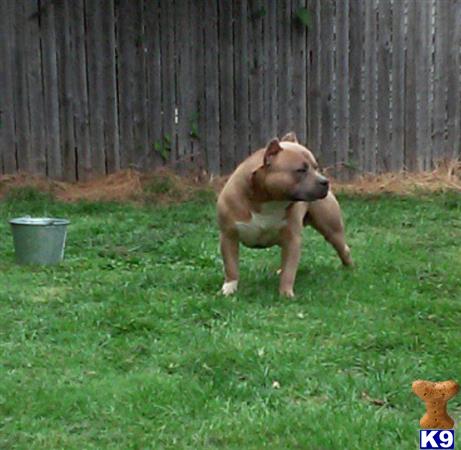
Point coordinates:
[[89, 87]]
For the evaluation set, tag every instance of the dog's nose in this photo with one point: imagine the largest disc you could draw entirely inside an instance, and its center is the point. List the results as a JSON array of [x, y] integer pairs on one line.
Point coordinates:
[[324, 181]]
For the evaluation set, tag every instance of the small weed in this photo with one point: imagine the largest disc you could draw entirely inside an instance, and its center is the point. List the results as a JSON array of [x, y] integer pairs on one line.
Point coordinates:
[[163, 147], [28, 194], [304, 16], [159, 185]]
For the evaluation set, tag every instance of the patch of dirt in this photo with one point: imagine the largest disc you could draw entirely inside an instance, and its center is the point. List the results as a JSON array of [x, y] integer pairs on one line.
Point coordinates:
[[164, 186]]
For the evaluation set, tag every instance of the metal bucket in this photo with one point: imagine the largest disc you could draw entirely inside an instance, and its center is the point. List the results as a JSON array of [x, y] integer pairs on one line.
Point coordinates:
[[39, 240]]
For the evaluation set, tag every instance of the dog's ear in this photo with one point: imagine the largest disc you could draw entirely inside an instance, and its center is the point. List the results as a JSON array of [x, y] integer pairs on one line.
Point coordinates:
[[273, 147], [290, 137]]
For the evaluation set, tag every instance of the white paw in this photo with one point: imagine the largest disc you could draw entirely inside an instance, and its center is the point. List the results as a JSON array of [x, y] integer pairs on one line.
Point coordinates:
[[287, 293], [229, 287]]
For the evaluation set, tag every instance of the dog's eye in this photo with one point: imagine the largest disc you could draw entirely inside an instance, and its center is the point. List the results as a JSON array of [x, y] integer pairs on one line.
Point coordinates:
[[301, 170]]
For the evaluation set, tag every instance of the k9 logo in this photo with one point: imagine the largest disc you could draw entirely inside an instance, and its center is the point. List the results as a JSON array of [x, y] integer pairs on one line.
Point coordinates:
[[429, 439]]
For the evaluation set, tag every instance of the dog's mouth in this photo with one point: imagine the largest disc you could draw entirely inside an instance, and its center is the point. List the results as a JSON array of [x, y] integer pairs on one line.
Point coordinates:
[[319, 194]]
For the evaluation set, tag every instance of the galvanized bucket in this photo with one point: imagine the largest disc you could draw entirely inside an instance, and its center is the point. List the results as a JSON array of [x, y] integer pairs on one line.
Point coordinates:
[[39, 240]]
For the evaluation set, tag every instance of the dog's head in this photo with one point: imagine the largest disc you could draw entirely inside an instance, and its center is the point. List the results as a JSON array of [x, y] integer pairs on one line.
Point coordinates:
[[290, 172]]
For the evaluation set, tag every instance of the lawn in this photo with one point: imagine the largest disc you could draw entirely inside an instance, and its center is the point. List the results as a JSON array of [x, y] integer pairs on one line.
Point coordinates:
[[127, 345]]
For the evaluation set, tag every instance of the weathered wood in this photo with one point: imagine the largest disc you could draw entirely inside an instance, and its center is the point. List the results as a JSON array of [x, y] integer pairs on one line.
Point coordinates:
[[384, 70], [126, 39], [21, 92], [80, 91], [314, 115], [423, 62], [109, 77], [198, 77], [226, 82], [270, 73], [342, 86], [327, 150], [256, 68], [7, 129], [299, 78], [453, 148], [212, 131], [185, 94], [370, 98], [265, 71], [154, 83], [51, 95], [133, 132], [356, 122], [241, 98], [66, 82], [35, 159], [442, 42], [285, 67], [398, 86], [92, 87], [167, 42], [95, 62], [411, 162], [139, 87]]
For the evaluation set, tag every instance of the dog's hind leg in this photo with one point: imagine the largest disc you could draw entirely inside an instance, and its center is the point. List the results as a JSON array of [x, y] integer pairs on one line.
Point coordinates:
[[325, 216]]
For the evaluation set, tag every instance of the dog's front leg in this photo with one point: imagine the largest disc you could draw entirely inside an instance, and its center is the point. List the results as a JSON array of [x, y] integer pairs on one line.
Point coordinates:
[[291, 251], [230, 255]]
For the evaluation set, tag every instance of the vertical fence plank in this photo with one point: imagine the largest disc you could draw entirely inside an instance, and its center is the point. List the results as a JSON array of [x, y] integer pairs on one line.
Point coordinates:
[[241, 97], [23, 132], [356, 37], [442, 42], [423, 106], [265, 73], [185, 94], [198, 77], [256, 68], [7, 46], [327, 151], [51, 94], [95, 61], [285, 77], [370, 99], [313, 81], [109, 76], [298, 39], [126, 43], [80, 91], [270, 86], [66, 77], [411, 162], [398, 86], [453, 148], [342, 86], [226, 78], [167, 42], [36, 159], [132, 94], [212, 89], [384, 70], [140, 147], [154, 83]]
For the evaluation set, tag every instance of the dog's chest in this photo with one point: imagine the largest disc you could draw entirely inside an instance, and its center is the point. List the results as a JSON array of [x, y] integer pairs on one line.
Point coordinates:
[[264, 227]]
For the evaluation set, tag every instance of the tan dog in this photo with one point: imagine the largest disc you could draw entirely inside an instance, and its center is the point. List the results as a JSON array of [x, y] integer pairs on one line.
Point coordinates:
[[267, 201]]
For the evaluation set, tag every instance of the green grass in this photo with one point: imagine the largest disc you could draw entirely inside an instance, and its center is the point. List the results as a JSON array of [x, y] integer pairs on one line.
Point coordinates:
[[127, 344]]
